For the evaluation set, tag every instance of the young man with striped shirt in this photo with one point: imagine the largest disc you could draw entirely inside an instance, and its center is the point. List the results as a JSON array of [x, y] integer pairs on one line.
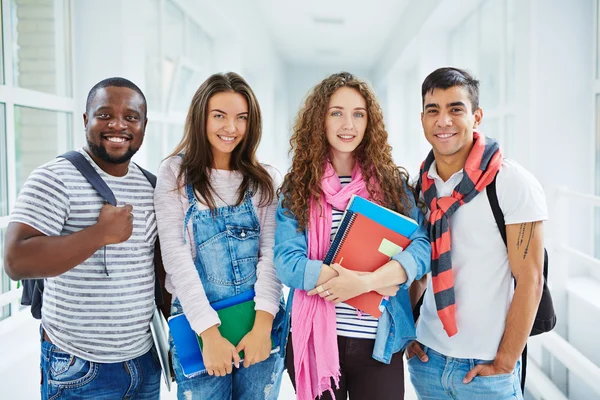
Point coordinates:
[[97, 260], [473, 323]]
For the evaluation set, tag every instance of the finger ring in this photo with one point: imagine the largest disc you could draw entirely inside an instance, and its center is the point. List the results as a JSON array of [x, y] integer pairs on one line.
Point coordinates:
[[328, 294], [319, 288]]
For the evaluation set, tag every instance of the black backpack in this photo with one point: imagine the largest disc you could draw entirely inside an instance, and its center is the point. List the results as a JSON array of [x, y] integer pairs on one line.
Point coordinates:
[[33, 289]]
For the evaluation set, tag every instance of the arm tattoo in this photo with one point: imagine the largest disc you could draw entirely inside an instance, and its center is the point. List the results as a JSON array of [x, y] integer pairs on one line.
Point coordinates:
[[531, 235], [521, 236]]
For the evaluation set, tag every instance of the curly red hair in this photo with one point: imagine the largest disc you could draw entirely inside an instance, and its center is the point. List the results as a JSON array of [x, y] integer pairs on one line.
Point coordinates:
[[387, 183]]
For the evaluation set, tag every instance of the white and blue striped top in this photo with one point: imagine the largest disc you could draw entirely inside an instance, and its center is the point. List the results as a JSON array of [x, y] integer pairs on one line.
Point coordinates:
[[350, 323]]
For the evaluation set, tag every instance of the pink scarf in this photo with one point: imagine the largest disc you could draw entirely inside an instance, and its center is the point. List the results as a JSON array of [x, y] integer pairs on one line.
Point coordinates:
[[314, 338]]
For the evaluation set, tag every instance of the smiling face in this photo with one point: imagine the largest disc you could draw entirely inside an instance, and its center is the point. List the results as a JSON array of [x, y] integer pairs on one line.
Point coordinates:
[[114, 123], [346, 121], [226, 125], [448, 122]]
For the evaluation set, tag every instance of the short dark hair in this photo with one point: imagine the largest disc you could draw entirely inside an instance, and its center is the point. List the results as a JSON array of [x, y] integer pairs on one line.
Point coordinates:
[[114, 82], [447, 77]]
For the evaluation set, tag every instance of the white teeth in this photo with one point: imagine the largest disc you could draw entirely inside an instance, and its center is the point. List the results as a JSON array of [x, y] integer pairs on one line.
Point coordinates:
[[226, 138], [346, 136], [445, 135], [116, 139]]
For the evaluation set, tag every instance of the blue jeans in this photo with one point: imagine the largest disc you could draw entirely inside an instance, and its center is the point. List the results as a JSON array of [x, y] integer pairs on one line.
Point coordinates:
[[65, 376], [441, 378], [259, 381]]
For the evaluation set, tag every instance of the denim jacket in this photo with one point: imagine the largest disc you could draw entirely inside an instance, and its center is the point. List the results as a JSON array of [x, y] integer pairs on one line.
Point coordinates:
[[396, 326]]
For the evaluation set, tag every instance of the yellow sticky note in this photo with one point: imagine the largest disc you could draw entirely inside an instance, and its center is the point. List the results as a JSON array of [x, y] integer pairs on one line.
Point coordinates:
[[388, 248]]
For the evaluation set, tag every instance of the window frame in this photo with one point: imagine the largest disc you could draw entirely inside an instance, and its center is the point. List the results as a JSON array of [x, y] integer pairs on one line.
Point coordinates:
[[12, 97]]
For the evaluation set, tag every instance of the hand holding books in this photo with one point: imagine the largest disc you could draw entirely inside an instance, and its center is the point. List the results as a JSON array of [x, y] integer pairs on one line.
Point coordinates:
[[257, 343], [346, 285], [368, 236], [218, 353]]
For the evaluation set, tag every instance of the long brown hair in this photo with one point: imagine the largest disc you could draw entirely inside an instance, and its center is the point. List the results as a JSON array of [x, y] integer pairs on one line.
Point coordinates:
[[385, 180], [198, 159]]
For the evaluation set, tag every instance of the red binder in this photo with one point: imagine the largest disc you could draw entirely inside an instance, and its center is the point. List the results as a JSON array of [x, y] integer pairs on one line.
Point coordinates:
[[358, 242]]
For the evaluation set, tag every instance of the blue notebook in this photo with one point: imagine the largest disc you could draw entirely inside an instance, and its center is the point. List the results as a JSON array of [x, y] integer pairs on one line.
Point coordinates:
[[237, 318], [384, 216]]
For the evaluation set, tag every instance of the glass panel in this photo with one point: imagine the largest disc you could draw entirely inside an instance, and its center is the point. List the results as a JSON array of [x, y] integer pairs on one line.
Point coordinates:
[[153, 145], [152, 37], [463, 41], [511, 64], [508, 147], [174, 135], [597, 235], [40, 136], [490, 51], [1, 48], [184, 86], [199, 49], [173, 32], [490, 127], [41, 45], [598, 39], [3, 164]]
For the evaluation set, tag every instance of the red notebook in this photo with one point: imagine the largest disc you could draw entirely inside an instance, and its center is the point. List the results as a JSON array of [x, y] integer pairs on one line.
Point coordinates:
[[365, 245]]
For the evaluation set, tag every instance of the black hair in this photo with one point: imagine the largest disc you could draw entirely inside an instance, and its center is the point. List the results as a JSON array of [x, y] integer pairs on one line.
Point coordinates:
[[447, 77], [114, 82]]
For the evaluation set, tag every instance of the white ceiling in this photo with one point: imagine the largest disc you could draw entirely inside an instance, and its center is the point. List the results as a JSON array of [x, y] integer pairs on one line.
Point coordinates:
[[346, 33]]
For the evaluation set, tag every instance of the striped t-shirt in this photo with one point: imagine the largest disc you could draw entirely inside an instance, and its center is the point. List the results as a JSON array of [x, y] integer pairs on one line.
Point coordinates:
[[349, 322], [98, 313]]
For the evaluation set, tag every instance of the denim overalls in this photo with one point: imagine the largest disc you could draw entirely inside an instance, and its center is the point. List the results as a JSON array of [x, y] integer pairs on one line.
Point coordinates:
[[227, 249]]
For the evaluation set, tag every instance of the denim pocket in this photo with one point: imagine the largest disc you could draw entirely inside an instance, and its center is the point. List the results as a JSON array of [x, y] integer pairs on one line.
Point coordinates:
[[491, 377], [69, 370], [229, 258]]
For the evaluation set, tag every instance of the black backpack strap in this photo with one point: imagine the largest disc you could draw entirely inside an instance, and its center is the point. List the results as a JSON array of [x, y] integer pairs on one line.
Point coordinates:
[[159, 274], [149, 175], [492, 195], [89, 173]]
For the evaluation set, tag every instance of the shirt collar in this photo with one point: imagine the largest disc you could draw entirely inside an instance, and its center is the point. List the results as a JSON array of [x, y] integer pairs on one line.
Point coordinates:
[[433, 174]]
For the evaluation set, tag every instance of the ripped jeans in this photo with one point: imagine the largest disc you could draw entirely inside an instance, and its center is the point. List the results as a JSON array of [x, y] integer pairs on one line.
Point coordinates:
[[259, 381]]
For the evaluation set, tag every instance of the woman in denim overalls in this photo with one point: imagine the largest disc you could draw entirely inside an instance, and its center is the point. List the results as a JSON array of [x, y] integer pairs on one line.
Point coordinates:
[[215, 207]]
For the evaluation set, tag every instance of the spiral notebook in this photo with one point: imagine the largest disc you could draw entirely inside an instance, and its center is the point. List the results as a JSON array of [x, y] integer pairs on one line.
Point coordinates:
[[368, 236]]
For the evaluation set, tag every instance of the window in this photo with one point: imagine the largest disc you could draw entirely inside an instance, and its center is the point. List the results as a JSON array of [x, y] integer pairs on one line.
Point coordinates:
[[485, 45], [597, 169], [40, 46], [1, 47], [3, 166], [152, 48], [40, 135]]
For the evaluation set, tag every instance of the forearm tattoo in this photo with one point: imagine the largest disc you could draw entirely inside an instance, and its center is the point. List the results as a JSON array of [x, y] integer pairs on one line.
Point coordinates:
[[531, 236], [521, 236]]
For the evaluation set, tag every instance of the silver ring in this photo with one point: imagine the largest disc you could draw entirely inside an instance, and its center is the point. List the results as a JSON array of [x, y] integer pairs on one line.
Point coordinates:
[[328, 294]]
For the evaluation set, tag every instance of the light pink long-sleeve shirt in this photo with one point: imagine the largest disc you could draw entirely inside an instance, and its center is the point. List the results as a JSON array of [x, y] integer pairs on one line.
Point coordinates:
[[182, 279]]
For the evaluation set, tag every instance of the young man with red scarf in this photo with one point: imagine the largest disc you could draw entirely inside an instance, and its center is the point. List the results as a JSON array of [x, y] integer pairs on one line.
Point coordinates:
[[474, 323]]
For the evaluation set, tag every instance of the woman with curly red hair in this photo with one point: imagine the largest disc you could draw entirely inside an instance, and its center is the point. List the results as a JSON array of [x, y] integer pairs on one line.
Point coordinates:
[[340, 148]]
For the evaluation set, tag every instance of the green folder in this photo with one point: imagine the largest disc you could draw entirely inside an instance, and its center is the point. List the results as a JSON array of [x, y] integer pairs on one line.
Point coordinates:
[[236, 322], [237, 318]]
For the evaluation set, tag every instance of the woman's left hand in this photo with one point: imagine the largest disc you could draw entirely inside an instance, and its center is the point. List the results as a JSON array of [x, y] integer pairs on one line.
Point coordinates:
[[256, 346], [347, 285]]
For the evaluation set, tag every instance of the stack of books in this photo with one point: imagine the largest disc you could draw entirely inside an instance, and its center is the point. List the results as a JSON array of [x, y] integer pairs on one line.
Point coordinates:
[[237, 316], [368, 236]]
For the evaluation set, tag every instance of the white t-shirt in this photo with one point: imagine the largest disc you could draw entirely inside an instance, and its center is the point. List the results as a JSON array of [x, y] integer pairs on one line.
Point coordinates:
[[483, 283]]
